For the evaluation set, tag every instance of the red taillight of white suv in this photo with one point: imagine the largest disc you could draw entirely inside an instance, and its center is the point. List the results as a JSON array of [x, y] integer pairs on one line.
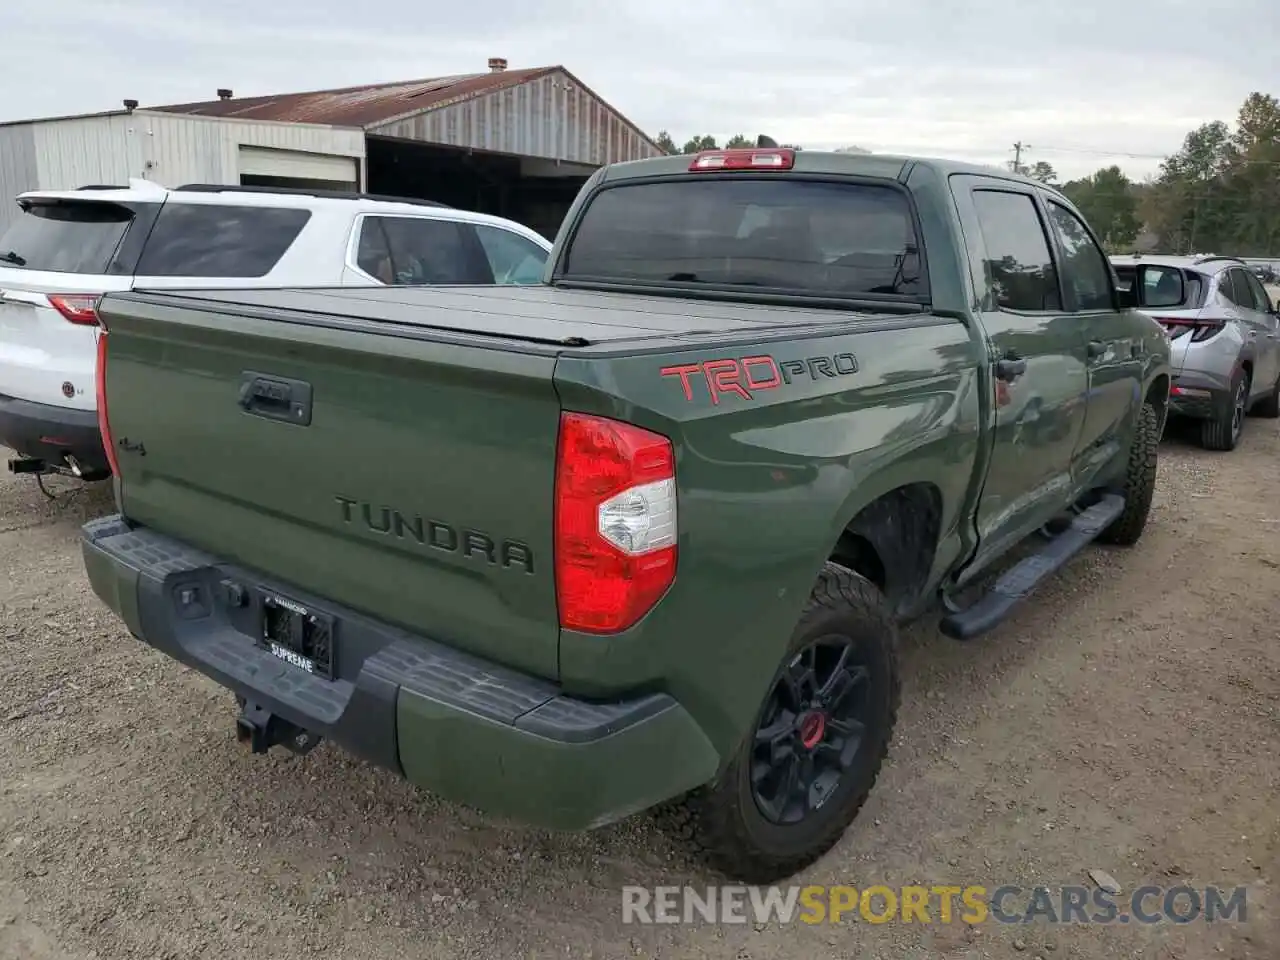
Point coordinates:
[[615, 522], [78, 308]]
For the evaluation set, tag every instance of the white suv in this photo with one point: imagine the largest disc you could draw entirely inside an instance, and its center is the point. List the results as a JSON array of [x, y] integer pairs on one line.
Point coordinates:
[[69, 247]]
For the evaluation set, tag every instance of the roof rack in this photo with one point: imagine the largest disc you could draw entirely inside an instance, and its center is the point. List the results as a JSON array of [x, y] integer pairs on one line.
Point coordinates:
[[306, 192], [1210, 257]]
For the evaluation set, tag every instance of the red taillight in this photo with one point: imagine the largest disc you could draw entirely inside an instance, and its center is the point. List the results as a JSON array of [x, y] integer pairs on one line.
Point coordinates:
[[779, 158], [1200, 330], [615, 522], [104, 427], [81, 308]]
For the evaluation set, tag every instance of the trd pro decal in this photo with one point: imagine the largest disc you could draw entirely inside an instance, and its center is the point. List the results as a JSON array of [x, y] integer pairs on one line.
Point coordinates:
[[746, 376]]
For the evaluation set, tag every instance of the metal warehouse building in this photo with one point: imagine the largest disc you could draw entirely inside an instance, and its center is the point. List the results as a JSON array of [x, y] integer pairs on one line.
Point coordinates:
[[518, 143]]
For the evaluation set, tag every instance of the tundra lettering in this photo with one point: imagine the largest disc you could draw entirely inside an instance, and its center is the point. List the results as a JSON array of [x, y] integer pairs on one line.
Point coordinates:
[[435, 533]]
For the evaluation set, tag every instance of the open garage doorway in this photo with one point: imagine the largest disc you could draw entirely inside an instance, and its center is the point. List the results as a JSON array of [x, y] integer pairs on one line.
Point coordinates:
[[529, 190]]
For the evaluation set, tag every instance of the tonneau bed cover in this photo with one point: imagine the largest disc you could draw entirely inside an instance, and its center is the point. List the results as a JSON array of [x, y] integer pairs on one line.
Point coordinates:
[[537, 314]]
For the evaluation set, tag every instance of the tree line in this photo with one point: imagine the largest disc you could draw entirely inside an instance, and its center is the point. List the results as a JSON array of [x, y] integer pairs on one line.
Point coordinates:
[[708, 142], [1219, 193]]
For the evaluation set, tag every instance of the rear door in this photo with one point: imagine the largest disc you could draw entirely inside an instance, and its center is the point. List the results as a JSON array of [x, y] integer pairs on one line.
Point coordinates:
[[1235, 300], [1113, 341], [1267, 364], [67, 249], [1038, 365]]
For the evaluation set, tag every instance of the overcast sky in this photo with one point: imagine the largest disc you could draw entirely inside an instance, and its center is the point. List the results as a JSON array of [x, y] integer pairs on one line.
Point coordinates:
[[1085, 83]]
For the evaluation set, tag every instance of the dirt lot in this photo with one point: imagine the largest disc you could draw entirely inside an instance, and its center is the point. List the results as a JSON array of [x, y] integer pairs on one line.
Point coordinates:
[[1127, 719]]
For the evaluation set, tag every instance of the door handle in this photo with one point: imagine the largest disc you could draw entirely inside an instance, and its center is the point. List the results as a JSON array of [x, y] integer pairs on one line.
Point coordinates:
[[1096, 348], [275, 398], [1010, 367]]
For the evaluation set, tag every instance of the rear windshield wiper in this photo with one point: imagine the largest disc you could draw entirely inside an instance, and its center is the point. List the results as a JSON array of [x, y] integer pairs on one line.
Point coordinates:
[[10, 257]]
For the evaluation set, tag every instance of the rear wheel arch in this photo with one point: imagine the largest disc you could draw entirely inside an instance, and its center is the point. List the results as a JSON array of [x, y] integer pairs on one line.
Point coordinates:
[[892, 541]]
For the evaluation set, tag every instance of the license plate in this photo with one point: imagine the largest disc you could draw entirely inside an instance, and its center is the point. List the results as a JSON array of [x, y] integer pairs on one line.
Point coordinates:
[[297, 635]]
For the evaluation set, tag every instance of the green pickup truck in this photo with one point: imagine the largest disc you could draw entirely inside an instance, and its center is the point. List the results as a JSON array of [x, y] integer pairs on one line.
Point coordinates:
[[639, 537]]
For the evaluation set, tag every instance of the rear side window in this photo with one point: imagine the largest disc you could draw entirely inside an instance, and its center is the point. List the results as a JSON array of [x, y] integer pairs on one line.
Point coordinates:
[[1018, 261], [1235, 288], [1260, 295], [785, 234], [66, 236], [421, 250], [211, 240]]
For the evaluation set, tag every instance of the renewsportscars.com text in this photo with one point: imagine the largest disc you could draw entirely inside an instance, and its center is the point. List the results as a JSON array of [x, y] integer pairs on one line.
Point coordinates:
[[934, 904]]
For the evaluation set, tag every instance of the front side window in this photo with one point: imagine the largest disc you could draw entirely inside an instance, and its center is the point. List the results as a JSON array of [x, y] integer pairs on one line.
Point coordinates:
[[1084, 266], [1020, 266], [512, 258], [215, 240], [783, 234]]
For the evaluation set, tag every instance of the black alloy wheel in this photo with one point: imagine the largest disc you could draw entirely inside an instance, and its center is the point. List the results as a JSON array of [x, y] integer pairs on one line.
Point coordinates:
[[811, 729]]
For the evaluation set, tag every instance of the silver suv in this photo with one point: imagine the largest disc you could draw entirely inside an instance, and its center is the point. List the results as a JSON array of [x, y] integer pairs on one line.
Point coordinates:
[[1225, 335]]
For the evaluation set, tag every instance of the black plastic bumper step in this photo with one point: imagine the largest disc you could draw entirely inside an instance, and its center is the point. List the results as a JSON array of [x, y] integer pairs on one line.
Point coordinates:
[[1017, 582]]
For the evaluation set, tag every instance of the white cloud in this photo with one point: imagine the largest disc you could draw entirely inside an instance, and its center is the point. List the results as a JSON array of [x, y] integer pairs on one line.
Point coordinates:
[[1086, 84]]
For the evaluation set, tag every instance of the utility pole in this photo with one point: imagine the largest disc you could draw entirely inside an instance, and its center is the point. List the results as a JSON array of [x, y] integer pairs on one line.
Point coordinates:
[[1017, 155]]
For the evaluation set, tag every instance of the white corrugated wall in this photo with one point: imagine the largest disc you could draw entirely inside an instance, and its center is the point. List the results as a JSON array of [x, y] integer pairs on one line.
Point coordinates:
[[18, 169], [168, 149], [171, 149]]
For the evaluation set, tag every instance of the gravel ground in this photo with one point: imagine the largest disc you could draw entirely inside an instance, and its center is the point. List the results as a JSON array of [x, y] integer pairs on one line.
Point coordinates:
[[1127, 719]]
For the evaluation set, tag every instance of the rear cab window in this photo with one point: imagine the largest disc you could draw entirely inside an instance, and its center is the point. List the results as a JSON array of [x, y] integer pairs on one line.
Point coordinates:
[[786, 235], [66, 236], [219, 240]]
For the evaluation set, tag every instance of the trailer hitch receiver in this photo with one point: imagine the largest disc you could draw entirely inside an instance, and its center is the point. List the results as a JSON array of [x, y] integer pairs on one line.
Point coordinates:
[[259, 729]]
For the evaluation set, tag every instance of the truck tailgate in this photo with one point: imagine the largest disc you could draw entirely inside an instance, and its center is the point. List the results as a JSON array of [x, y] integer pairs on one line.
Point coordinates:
[[406, 478]]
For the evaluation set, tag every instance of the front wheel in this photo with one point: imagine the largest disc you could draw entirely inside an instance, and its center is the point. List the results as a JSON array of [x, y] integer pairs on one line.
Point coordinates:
[[806, 768], [1139, 482]]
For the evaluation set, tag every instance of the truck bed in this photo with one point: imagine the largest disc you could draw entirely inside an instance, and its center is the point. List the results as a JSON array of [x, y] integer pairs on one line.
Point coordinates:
[[538, 315]]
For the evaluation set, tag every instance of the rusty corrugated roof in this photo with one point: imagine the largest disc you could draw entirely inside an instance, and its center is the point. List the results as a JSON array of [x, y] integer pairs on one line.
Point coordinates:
[[360, 106]]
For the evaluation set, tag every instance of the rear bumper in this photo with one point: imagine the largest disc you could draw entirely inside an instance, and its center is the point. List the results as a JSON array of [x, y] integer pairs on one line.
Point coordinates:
[[473, 731], [1199, 395], [49, 433]]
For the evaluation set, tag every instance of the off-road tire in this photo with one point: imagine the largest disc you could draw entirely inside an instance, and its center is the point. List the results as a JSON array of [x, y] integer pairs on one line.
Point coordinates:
[[1268, 406], [1221, 432], [1139, 482], [721, 824]]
